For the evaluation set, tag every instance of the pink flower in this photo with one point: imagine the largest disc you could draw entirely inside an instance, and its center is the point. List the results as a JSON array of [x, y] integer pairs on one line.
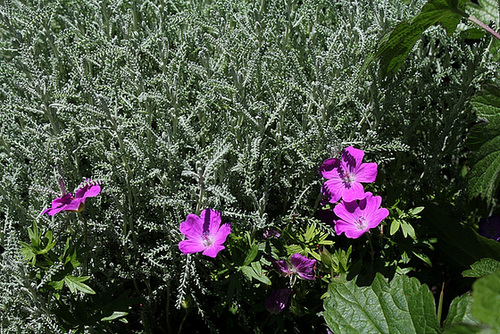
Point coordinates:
[[76, 203], [357, 218], [345, 176], [204, 234], [300, 265]]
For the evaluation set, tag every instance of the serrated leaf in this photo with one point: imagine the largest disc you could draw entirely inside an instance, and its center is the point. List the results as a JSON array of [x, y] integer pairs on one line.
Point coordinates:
[[76, 284], [395, 48], [484, 141], [485, 11], [486, 295], [486, 103], [401, 306], [459, 312], [482, 268]]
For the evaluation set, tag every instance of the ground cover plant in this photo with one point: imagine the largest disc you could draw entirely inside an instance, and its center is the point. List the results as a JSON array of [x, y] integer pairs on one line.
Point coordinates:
[[258, 166]]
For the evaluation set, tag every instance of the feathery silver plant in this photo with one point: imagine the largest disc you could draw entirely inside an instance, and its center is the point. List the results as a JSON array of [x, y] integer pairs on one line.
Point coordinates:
[[181, 105]]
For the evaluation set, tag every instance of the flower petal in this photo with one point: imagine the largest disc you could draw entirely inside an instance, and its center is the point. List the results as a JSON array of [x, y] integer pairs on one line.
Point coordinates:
[[220, 236], [193, 226], [276, 301], [190, 246], [213, 250], [377, 217], [367, 172], [328, 168], [356, 191], [281, 266], [89, 190], [347, 211], [211, 221], [353, 156], [350, 230], [303, 265], [333, 189]]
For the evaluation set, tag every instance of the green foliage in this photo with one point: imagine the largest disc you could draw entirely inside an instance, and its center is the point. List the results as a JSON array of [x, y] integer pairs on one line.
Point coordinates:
[[395, 48], [400, 220], [482, 268], [460, 243], [477, 313], [486, 294], [401, 306], [484, 140], [40, 246], [459, 313]]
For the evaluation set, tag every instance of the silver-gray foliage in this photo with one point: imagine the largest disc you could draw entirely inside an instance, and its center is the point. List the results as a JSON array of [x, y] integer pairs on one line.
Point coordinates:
[[182, 105]]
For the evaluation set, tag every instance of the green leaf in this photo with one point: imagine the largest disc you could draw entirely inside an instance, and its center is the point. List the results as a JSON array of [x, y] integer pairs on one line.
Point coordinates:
[[252, 254], [461, 243], [486, 103], [76, 283], [395, 224], [485, 11], [482, 268], [459, 312], [484, 140], [486, 295], [251, 273], [416, 211], [57, 285], [114, 316], [401, 306], [395, 48]]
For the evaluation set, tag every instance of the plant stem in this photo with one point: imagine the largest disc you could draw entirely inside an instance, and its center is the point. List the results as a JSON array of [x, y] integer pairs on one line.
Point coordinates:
[[85, 243], [484, 26], [440, 305]]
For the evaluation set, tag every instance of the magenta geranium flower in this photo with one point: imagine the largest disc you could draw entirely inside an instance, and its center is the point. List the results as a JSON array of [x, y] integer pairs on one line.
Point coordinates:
[[300, 265], [276, 301], [345, 176], [358, 217], [75, 203], [204, 234]]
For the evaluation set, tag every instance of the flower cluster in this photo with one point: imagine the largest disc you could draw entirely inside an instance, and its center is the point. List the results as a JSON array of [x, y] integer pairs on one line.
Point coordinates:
[[359, 211], [75, 203]]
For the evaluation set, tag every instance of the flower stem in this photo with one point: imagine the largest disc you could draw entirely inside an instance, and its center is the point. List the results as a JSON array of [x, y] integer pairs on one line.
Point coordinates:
[[440, 305], [372, 252], [85, 243], [484, 26]]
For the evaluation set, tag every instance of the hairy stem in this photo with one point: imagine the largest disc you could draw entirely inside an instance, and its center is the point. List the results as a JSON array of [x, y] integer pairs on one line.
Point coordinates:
[[484, 26]]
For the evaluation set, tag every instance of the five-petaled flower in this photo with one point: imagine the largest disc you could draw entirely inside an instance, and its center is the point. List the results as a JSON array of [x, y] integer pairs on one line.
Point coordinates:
[[204, 234], [300, 265], [276, 301], [75, 203], [358, 217], [344, 177]]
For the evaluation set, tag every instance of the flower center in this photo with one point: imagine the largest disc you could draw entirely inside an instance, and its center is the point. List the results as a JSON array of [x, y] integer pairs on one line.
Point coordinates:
[[346, 176], [208, 240], [360, 223]]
